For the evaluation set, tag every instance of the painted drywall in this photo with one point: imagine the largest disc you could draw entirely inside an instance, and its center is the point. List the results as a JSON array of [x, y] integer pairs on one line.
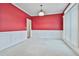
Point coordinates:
[[12, 18], [48, 22]]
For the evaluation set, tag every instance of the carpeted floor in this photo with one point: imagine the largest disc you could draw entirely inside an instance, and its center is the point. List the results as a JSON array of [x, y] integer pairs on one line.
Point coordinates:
[[39, 47]]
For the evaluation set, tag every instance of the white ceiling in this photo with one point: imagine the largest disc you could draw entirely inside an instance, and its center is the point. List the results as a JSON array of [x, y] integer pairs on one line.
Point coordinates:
[[49, 8]]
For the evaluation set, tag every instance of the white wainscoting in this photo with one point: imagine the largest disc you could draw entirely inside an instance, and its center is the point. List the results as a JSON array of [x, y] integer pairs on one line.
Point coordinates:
[[8, 39], [57, 34]]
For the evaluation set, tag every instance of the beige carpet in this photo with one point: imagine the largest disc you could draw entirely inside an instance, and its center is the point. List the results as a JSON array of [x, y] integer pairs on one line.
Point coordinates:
[[39, 47]]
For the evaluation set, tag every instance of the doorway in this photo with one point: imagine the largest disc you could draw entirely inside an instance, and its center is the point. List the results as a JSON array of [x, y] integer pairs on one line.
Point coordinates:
[[29, 33]]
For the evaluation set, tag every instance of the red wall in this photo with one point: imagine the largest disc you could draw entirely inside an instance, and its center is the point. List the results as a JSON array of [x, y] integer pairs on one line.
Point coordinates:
[[12, 18], [49, 22]]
